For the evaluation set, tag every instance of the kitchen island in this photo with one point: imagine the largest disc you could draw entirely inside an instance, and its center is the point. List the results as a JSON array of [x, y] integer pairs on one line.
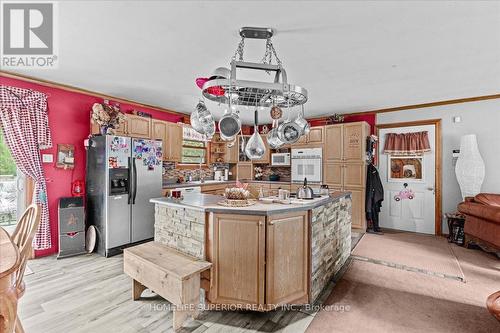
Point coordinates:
[[263, 255]]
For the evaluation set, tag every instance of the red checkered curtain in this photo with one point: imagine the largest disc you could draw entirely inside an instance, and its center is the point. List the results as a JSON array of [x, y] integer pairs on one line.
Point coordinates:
[[25, 126], [415, 143]]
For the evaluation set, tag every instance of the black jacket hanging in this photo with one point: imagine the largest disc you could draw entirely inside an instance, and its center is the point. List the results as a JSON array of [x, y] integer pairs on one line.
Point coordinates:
[[374, 194]]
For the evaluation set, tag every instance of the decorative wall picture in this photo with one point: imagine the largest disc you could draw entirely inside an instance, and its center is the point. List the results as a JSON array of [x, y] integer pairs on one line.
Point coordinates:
[[406, 168], [65, 156]]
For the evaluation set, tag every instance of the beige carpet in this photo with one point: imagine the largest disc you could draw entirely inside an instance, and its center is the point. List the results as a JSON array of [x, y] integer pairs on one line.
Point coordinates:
[[414, 252], [377, 298]]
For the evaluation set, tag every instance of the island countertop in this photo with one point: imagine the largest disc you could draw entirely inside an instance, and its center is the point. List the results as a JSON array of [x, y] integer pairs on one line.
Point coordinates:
[[208, 203]]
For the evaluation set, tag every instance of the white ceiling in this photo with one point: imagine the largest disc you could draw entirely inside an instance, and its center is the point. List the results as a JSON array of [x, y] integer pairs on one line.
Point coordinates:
[[351, 56]]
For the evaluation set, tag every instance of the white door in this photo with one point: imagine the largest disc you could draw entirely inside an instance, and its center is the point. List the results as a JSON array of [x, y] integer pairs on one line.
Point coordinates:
[[400, 209]]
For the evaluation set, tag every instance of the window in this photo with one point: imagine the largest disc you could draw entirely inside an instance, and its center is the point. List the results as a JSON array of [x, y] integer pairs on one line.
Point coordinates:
[[194, 147]]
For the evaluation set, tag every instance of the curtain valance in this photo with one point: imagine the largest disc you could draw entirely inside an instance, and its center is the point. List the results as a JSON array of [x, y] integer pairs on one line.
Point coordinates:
[[415, 143]]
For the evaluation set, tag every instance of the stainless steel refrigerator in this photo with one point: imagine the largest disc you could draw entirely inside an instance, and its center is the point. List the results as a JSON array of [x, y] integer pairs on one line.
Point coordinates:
[[123, 174]]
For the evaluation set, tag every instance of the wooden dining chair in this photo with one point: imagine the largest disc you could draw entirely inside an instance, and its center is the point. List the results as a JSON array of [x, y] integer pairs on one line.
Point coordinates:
[[23, 238]]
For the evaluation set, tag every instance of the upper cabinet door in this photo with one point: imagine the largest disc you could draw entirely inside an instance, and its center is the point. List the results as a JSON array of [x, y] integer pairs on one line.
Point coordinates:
[[175, 142], [159, 130], [316, 135], [122, 128], [354, 141], [287, 262], [139, 126], [333, 143]]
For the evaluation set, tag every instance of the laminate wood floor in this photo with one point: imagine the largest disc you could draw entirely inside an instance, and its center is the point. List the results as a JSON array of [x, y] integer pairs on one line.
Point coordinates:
[[92, 294]]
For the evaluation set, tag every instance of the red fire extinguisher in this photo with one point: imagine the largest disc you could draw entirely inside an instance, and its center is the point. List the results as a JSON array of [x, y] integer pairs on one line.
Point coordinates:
[[78, 188]]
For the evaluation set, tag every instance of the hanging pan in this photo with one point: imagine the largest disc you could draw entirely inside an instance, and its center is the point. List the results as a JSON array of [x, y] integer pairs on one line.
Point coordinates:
[[289, 131]]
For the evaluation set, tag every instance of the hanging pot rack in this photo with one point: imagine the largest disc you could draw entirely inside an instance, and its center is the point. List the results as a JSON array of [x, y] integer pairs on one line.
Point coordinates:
[[250, 93]]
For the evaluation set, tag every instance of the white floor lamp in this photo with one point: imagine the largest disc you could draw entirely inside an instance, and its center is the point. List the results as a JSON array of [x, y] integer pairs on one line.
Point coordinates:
[[470, 167]]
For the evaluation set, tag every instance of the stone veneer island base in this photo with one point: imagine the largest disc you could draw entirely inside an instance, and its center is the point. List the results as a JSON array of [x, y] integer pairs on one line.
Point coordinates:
[[262, 256]]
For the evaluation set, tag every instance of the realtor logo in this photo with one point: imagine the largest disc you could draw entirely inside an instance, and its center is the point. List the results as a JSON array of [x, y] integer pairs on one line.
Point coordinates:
[[28, 35]]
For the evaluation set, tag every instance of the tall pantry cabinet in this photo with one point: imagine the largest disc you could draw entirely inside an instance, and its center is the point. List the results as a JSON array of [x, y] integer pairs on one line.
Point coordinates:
[[344, 164]]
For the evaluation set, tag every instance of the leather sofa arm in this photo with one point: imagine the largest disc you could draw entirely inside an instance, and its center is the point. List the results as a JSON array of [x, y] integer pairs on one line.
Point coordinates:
[[488, 199], [485, 212]]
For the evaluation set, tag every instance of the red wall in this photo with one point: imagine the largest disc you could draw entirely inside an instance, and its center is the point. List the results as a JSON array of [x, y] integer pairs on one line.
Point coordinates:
[[69, 114]]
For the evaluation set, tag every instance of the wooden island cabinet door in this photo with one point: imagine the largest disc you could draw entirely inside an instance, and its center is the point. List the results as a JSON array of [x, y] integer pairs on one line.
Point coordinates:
[[238, 259], [287, 261]]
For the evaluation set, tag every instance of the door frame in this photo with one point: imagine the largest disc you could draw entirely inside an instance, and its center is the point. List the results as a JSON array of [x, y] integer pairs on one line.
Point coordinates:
[[437, 165]]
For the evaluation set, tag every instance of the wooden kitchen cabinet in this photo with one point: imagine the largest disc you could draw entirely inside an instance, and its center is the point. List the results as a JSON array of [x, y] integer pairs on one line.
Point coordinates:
[[171, 135], [138, 126], [159, 131], [354, 174], [244, 171], [238, 259], [333, 143], [358, 208], [287, 262], [174, 139], [252, 265], [314, 138], [346, 142], [344, 165], [333, 173], [354, 141]]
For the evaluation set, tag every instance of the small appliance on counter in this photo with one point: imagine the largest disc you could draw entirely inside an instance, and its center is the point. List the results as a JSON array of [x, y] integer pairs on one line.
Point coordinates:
[[218, 175], [280, 159], [305, 191], [307, 163]]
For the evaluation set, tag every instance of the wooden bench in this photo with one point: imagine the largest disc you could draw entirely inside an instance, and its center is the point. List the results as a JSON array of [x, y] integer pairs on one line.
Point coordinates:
[[170, 274]]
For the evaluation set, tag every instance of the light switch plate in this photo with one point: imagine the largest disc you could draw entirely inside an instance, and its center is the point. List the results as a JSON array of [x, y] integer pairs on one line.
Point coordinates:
[[47, 158]]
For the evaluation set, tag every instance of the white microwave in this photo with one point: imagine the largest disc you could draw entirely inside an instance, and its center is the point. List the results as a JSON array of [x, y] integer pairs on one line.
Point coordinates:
[[278, 159]]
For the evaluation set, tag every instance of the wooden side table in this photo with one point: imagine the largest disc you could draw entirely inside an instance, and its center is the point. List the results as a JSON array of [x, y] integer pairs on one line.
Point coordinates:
[[456, 223]]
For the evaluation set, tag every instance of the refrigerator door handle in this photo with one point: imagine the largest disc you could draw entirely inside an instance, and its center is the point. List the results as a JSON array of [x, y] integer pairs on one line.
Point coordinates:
[[130, 180], [134, 180]]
